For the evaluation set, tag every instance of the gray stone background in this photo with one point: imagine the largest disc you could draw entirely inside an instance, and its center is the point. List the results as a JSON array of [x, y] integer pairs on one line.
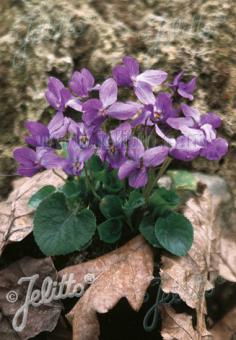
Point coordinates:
[[39, 38]]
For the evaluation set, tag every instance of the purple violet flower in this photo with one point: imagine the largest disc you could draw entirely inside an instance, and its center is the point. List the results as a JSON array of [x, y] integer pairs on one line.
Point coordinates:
[[77, 156], [96, 110], [182, 148], [127, 74], [42, 135], [112, 147], [200, 129], [83, 135], [29, 161], [82, 83], [57, 94], [161, 110], [199, 136], [136, 169], [32, 161], [185, 90]]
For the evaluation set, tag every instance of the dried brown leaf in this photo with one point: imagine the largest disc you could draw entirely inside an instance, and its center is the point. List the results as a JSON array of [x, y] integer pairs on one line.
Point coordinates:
[[15, 214], [227, 267], [102, 263], [126, 272], [225, 328], [190, 276], [41, 318], [179, 326], [176, 326]]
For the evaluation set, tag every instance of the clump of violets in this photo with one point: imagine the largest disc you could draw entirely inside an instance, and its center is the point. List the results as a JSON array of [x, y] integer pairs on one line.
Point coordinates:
[[156, 124], [113, 151]]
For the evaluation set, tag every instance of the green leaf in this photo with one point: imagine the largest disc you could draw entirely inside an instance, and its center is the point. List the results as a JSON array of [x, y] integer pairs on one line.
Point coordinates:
[[175, 233], [74, 188], [183, 180], [70, 189], [110, 230], [40, 195], [135, 201], [57, 230], [111, 206], [95, 164], [147, 229], [111, 182], [163, 200]]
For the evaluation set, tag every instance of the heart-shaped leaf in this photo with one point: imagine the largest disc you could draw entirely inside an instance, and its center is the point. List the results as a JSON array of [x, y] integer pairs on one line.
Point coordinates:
[[163, 200], [110, 230], [111, 206], [175, 233], [40, 195], [147, 229], [135, 201], [57, 230]]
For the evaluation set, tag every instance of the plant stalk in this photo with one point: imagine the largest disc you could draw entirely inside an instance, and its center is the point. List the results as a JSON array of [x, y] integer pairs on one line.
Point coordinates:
[[90, 184], [151, 184]]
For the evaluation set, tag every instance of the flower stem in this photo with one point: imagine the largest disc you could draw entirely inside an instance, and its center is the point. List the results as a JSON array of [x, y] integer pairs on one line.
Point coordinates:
[[57, 174], [152, 183], [89, 182]]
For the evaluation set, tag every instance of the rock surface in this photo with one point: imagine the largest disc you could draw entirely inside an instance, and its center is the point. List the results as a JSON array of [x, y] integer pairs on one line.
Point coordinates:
[[42, 38]]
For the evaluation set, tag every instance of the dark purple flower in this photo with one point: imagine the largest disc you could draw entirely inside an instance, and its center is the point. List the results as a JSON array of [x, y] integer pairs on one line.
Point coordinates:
[[77, 156], [182, 148], [96, 110], [82, 83], [162, 109], [127, 74], [112, 147], [200, 129], [185, 90], [124, 111], [58, 126], [42, 135], [32, 161], [199, 137], [215, 149], [83, 135], [29, 161], [136, 168], [39, 134], [57, 94]]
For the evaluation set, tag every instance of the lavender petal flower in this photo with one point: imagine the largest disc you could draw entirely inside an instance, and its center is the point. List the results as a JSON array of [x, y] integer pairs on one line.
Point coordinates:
[[96, 110], [155, 156], [39, 134], [185, 90], [123, 111], [136, 169], [57, 95], [76, 158], [212, 119], [82, 83], [29, 160], [215, 149]]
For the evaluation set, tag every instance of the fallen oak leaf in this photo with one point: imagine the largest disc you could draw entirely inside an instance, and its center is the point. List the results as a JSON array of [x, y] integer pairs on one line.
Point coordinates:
[[102, 263], [41, 318], [179, 326], [227, 266], [15, 214], [128, 277], [192, 275], [176, 326]]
